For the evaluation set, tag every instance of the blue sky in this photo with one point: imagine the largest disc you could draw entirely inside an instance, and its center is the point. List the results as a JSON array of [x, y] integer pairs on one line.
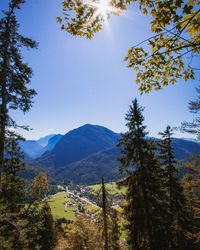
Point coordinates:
[[86, 81]]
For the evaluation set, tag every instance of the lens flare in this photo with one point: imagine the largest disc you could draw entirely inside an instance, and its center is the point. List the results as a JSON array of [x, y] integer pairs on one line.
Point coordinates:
[[104, 8]]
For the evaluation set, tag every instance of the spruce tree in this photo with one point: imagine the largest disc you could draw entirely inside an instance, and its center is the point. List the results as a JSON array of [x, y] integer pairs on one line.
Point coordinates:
[[40, 229], [191, 184], [12, 195], [105, 215], [115, 232], [178, 219], [15, 75], [145, 210], [12, 202]]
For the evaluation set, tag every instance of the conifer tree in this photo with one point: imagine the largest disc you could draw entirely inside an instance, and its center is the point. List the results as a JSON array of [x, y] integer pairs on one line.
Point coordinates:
[[12, 195], [178, 220], [15, 75], [40, 230], [193, 127], [145, 210], [105, 215], [115, 233], [191, 184], [108, 219], [12, 202]]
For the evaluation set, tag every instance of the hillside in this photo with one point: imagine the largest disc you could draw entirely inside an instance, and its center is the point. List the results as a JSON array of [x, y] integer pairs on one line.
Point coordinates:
[[30, 148], [185, 148], [91, 169]]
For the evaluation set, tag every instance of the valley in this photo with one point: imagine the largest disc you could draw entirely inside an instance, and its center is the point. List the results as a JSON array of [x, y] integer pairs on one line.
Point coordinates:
[[83, 200]]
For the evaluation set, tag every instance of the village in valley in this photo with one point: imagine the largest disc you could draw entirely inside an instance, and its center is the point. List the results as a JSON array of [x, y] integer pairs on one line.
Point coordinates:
[[74, 200]]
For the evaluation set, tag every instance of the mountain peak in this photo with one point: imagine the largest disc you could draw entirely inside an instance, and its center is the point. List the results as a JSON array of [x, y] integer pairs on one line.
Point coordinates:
[[81, 142], [43, 141]]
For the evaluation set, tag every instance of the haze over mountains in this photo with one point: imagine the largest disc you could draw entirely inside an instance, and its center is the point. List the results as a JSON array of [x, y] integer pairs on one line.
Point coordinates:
[[85, 154], [33, 149]]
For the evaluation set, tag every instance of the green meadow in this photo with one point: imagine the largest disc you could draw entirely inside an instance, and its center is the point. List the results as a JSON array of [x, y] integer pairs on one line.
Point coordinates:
[[58, 209], [111, 187]]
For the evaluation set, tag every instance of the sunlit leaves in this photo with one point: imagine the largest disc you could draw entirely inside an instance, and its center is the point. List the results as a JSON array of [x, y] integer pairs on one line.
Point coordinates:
[[80, 18], [170, 52]]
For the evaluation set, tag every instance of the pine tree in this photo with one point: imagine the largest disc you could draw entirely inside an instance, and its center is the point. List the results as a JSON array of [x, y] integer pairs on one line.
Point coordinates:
[[40, 230], [178, 220], [193, 127], [14, 74], [108, 219], [191, 184], [145, 210], [12, 200], [105, 215], [115, 232]]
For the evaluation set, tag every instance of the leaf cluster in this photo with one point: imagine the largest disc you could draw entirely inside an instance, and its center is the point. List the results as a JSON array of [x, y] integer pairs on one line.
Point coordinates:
[[170, 51]]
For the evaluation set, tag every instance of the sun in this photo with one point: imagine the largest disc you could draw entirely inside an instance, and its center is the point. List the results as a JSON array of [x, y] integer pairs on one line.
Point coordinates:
[[104, 8]]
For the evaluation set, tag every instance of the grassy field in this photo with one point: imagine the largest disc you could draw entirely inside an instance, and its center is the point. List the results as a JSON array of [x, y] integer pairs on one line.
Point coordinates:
[[57, 207], [58, 210], [111, 187]]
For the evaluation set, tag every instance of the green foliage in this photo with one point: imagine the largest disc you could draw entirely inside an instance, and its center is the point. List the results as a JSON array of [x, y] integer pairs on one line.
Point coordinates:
[[115, 232], [40, 227], [12, 195], [12, 233], [179, 223], [170, 51], [83, 234], [40, 186], [21, 227], [146, 205], [193, 127], [15, 75], [191, 183]]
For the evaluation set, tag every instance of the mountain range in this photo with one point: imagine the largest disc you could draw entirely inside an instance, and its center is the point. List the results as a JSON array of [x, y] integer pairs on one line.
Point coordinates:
[[33, 149], [85, 154]]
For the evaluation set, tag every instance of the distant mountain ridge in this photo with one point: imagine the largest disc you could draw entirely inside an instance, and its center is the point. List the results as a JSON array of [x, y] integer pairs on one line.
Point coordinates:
[[90, 169], [35, 148], [43, 141], [30, 148], [84, 154], [78, 144]]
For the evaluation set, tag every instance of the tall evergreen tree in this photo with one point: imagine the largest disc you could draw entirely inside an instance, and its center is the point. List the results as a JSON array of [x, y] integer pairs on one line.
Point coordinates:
[[193, 127], [115, 232], [12, 198], [145, 197], [16, 225], [14, 74], [40, 229], [178, 220], [191, 184], [12, 195], [108, 219], [105, 215]]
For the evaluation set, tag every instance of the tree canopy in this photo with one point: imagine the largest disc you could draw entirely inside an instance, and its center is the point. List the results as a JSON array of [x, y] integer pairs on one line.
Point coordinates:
[[193, 127], [15, 74], [171, 51]]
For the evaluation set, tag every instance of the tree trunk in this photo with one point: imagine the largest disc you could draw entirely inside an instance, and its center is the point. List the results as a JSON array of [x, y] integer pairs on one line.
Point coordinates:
[[105, 224], [3, 80]]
